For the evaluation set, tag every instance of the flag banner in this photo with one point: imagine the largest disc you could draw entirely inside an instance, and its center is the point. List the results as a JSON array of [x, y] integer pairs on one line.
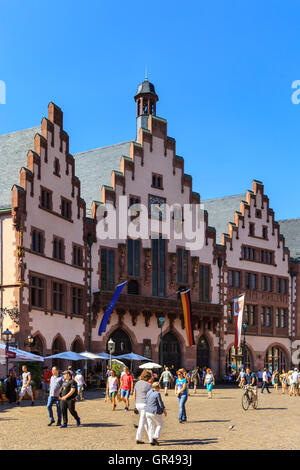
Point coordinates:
[[187, 315], [238, 319], [107, 313]]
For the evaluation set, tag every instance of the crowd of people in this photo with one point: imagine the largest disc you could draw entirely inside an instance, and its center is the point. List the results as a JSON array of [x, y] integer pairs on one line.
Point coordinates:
[[64, 389], [146, 392]]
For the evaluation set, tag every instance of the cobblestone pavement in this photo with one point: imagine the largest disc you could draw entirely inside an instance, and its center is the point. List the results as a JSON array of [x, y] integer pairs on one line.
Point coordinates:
[[274, 425]]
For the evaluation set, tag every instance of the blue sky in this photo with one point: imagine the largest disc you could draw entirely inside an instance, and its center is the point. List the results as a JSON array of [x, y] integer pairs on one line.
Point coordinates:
[[223, 71]]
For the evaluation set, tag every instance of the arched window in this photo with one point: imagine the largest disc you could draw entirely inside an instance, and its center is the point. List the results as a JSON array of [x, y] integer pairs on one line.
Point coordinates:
[[122, 342], [58, 347], [276, 359], [234, 359], [171, 351], [77, 347], [203, 359], [38, 346]]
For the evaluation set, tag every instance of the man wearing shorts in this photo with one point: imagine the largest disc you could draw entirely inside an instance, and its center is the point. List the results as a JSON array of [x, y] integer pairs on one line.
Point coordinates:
[[251, 380], [195, 378], [26, 387], [165, 378], [126, 387]]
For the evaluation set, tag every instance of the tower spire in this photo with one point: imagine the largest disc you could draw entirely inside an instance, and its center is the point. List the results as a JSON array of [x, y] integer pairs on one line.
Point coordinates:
[[146, 100]]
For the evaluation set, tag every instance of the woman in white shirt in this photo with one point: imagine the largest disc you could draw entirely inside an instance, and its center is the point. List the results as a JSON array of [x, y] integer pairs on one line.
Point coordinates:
[[112, 386]]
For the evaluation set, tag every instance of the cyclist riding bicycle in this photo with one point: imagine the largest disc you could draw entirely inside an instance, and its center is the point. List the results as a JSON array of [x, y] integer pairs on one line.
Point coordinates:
[[250, 380]]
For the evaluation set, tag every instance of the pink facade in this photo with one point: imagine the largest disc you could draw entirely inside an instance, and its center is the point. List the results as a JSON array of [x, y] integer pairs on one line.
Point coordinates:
[[62, 274]]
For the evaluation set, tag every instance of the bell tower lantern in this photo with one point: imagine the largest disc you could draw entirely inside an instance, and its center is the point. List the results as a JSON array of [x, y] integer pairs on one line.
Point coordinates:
[[146, 100]]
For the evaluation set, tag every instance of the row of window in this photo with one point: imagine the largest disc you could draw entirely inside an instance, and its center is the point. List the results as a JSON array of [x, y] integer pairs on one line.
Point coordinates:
[[58, 294], [266, 316], [158, 268], [257, 254], [268, 283], [58, 252], [46, 203]]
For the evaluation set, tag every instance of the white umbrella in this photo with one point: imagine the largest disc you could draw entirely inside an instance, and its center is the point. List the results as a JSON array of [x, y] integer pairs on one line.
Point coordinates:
[[150, 365], [21, 355]]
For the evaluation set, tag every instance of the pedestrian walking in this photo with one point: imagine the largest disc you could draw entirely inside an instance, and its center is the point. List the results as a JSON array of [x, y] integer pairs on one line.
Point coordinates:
[[260, 377], [265, 380], [275, 379], [46, 381], [26, 386], [79, 379], [283, 380], [126, 387], [165, 379], [56, 382], [112, 385], [209, 382], [70, 369], [67, 397], [195, 378], [11, 387], [181, 391], [295, 382], [154, 409], [141, 388]]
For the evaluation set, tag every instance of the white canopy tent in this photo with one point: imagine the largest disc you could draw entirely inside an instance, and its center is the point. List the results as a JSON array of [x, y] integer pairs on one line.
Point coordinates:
[[20, 355]]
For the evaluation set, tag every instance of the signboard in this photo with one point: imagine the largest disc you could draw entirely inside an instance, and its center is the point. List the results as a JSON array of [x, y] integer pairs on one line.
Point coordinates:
[[10, 354]]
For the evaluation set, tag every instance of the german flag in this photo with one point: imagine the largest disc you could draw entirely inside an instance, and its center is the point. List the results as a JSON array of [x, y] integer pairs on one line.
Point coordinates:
[[187, 315]]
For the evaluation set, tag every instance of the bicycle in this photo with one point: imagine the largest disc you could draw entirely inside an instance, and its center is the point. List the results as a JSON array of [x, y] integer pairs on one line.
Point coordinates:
[[248, 398]]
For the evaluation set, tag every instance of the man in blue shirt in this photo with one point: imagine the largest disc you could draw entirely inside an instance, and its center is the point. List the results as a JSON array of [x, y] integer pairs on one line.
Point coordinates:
[[56, 382]]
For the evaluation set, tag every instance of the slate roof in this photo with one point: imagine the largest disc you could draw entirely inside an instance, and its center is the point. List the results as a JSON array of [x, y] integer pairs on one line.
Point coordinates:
[[290, 229], [221, 211], [13, 155], [92, 167]]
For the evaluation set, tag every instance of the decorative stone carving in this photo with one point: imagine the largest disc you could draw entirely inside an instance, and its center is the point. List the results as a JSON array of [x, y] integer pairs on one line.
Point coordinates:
[[173, 270], [172, 318], [147, 266], [134, 316], [195, 264], [122, 253], [121, 314], [147, 316]]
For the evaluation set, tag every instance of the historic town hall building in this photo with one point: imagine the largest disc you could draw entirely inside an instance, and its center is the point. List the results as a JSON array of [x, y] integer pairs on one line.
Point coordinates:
[[60, 270]]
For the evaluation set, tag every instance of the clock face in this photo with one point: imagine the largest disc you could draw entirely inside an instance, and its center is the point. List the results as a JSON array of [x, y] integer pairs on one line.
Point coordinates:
[[157, 207]]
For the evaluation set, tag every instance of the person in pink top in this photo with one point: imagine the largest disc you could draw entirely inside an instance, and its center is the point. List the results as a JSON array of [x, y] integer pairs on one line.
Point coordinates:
[[126, 387]]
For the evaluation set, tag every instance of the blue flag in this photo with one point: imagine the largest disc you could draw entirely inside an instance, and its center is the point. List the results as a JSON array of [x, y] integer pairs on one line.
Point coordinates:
[[103, 324]]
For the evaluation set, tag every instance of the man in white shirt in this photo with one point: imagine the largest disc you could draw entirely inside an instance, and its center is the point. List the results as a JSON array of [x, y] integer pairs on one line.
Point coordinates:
[[295, 382], [265, 381]]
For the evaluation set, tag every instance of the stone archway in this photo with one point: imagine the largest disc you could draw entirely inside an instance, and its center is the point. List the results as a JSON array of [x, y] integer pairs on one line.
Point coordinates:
[[276, 358], [171, 351], [122, 341], [58, 346], [203, 352]]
